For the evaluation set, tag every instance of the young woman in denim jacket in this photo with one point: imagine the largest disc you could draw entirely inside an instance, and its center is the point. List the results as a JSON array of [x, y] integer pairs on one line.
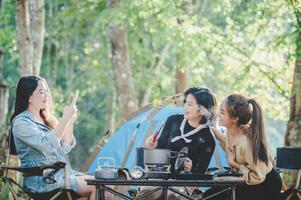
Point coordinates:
[[41, 139]]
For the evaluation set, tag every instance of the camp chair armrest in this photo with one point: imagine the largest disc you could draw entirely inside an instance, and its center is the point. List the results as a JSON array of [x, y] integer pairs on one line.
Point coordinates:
[[36, 171]]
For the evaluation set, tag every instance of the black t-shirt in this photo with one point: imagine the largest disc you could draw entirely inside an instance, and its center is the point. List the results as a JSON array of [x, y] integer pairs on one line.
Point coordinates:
[[200, 149]]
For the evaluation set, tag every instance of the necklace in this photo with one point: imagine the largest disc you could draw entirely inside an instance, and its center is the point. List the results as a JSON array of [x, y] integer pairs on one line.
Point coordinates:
[[184, 136]]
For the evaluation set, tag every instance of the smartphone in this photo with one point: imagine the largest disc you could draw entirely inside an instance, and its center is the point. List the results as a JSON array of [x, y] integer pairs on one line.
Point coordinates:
[[74, 99]]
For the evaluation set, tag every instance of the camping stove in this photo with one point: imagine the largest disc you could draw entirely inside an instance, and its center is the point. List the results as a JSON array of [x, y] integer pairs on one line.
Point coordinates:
[[157, 172]]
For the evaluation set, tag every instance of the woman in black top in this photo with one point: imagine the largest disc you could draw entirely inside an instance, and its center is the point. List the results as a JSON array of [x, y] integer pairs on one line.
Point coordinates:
[[200, 148], [190, 130]]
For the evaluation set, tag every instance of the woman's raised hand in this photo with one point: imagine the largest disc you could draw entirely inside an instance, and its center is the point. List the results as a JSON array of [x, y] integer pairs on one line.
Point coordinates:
[[73, 105], [151, 143], [70, 112]]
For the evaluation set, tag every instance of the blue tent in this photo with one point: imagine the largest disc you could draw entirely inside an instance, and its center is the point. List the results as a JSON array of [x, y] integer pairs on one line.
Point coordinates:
[[142, 124]]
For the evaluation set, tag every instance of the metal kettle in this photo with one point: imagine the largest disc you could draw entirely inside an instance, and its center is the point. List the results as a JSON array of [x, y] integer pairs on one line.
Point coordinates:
[[106, 169]]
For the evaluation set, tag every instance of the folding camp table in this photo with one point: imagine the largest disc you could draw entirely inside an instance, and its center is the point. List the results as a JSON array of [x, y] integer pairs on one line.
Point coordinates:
[[164, 185]]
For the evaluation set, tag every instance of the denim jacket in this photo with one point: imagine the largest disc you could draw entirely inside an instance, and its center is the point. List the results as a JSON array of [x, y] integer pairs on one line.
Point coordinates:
[[37, 145]]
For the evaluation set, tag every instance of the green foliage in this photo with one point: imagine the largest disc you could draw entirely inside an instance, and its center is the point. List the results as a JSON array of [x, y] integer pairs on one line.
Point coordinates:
[[228, 45], [8, 42], [4, 190]]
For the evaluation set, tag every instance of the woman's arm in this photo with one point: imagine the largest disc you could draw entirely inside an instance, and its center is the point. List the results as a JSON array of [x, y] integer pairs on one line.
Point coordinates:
[[163, 140], [60, 129], [153, 143], [220, 137], [68, 135], [216, 133], [150, 143], [253, 173], [68, 141]]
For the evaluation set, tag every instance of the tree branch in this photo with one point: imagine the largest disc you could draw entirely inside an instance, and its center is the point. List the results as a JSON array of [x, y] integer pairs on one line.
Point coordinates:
[[157, 67], [268, 75], [297, 14]]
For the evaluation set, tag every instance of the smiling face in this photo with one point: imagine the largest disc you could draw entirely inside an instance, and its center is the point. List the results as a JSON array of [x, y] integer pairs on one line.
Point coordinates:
[[224, 118], [191, 108], [39, 98]]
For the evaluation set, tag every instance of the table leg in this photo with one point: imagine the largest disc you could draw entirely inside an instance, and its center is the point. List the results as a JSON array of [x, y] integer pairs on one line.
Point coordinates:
[[233, 193], [97, 193], [102, 193], [164, 192]]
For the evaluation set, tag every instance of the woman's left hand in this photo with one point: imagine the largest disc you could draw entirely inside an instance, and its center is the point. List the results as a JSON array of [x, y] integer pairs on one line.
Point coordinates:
[[187, 165]]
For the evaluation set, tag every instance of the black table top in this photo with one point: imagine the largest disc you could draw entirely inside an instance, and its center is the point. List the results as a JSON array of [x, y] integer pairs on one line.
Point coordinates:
[[217, 181]]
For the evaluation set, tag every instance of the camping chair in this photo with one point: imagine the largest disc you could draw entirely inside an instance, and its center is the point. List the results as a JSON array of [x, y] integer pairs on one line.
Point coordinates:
[[289, 158], [47, 171]]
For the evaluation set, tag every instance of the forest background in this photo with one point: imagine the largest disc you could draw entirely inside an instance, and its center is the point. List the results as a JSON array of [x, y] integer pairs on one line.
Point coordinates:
[[124, 54]]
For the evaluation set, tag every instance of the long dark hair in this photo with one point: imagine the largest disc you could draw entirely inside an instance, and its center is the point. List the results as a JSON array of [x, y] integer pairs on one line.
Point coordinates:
[[49, 119], [249, 114], [204, 97], [25, 88]]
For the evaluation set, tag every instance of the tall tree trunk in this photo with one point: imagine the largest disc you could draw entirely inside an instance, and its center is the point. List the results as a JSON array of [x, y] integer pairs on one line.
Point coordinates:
[[30, 17], [111, 116], [3, 103], [30, 37], [122, 73], [181, 80], [293, 134], [37, 27], [3, 99], [181, 74], [24, 37], [182, 83], [3, 109]]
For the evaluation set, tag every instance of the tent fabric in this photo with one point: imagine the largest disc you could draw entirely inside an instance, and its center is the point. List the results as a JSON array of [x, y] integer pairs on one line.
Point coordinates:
[[118, 144]]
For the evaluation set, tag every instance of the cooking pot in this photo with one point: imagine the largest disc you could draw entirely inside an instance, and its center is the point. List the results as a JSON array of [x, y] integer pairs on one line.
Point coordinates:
[[106, 172], [154, 156]]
